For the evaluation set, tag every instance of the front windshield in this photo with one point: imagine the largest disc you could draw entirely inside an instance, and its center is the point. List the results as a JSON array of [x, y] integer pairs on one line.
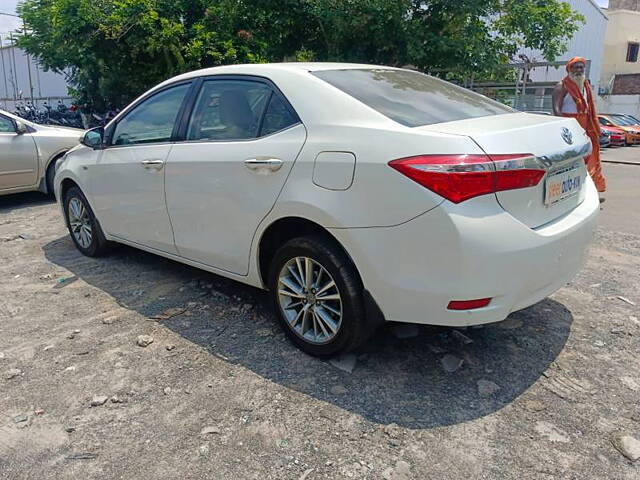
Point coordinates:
[[622, 120]]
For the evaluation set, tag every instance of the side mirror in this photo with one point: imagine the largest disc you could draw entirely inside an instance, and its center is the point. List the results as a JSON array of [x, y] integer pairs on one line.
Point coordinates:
[[21, 128], [93, 138]]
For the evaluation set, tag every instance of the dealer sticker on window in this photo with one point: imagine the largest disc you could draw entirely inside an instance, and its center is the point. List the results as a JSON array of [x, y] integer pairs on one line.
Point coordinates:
[[562, 185]]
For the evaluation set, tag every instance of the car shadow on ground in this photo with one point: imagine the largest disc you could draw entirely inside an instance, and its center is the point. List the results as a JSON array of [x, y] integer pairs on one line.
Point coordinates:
[[400, 381], [15, 201]]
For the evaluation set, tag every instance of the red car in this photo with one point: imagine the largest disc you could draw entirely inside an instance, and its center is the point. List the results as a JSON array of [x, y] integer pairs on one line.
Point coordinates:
[[616, 135]]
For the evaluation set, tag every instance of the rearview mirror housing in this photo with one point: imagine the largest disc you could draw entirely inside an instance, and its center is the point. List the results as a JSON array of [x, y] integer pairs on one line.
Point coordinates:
[[21, 128], [93, 138]]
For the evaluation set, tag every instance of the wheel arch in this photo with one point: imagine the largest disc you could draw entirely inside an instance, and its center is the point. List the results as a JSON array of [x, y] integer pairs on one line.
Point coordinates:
[[65, 185], [56, 156], [44, 187], [284, 229], [287, 228]]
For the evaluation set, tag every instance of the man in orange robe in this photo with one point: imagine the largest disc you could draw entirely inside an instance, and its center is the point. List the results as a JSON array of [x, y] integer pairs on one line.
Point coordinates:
[[572, 97]]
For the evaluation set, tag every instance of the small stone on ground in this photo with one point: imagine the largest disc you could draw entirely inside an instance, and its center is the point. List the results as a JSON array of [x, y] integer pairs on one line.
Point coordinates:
[[12, 373], [451, 363], [627, 446], [98, 400], [338, 390], [144, 340], [345, 363], [402, 471], [487, 388], [210, 430], [511, 324], [551, 432], [460, 337]]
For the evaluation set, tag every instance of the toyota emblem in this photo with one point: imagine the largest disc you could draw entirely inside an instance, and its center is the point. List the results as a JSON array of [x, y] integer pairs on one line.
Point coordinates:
[[567, 136]]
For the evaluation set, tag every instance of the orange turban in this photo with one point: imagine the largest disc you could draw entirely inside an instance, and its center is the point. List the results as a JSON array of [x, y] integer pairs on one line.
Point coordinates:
[[575, 60]]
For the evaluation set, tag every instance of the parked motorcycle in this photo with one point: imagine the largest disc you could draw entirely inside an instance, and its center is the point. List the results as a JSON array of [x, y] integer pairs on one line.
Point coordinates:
[[61, 115]]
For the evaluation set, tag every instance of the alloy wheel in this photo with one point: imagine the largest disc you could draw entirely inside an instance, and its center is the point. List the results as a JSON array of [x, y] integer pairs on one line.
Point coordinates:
[[80, 222], [310, 300]]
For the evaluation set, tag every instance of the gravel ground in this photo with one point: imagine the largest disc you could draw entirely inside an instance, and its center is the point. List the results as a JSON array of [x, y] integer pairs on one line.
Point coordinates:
[[220, 393]]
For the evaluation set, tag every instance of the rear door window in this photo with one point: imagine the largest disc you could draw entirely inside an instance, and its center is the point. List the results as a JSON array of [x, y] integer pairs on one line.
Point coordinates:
[[412, 98], [277, 116], [228, 110]]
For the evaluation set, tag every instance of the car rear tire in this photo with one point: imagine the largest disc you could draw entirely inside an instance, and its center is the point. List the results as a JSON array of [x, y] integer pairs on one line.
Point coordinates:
[[83, 226], [317, 295]]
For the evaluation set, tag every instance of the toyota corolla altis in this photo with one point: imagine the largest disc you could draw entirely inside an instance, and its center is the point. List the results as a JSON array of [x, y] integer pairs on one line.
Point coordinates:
[[354, 194]]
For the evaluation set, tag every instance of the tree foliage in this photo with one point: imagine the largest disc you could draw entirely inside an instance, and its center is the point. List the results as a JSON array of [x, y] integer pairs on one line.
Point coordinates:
[[113, 50]]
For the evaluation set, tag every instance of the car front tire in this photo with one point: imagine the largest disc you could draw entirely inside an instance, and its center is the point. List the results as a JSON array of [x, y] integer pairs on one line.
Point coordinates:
[[317, 295], [49, 176], [83, 226]]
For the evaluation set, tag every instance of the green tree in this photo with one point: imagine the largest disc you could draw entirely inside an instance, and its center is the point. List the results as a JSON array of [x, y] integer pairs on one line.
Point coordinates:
[[113, 50], [470, 36]]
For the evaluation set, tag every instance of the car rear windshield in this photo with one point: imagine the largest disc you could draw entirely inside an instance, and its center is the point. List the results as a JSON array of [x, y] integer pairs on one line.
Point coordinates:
[[411, 98]]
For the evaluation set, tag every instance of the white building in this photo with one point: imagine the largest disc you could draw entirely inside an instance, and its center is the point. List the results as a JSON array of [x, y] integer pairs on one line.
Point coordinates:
[[620, 77], [21, 78], [587, 42]]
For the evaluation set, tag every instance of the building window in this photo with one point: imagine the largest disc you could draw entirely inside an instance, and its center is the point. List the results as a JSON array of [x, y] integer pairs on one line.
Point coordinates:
[[632, 52]]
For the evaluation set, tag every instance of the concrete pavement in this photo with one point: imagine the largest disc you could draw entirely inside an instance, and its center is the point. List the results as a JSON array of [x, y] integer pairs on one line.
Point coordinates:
[[625, 155], [620, 212]]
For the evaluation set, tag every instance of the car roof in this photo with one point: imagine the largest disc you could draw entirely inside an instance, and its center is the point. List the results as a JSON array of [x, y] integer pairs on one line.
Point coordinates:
[[263, 68], [616, 115], [291, 78], [267, 69]]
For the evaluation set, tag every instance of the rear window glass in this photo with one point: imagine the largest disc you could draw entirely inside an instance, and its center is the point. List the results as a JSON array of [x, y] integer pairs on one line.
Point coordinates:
[[411, 98]]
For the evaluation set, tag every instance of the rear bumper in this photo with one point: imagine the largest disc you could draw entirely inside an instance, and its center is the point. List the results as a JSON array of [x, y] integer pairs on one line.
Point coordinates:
[[415, 269], [632, 139]]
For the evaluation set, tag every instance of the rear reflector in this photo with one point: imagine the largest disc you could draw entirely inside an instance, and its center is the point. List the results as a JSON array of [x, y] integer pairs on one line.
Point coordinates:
[[468, 304], [461, 177]]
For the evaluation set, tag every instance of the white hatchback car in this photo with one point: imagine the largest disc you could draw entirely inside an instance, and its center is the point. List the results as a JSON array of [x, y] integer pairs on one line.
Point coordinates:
[[355, 194], [29, 152]]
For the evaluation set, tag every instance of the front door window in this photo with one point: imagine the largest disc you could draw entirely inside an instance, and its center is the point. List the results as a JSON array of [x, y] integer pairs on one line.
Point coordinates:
[[153, 120]]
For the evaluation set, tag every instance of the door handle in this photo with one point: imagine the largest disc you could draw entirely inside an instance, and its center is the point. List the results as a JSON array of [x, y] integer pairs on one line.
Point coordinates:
[[153, 163], [270, 164]]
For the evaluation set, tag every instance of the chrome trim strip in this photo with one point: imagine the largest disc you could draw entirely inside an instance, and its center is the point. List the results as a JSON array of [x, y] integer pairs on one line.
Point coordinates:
[[17, 172], [550, 161]]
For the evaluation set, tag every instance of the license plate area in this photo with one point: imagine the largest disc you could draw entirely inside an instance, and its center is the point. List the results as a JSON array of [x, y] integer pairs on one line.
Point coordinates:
[[562, 184]]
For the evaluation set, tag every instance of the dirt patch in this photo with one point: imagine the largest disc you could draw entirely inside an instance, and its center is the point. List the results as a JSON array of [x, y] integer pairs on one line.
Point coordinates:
[[220, 393]]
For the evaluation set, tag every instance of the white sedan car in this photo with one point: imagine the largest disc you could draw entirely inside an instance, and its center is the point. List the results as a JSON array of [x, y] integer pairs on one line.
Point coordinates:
[[29, 152], [354, 194]]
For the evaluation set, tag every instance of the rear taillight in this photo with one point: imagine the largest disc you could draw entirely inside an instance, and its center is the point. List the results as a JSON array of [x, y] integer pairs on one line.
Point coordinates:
[[461, 177]]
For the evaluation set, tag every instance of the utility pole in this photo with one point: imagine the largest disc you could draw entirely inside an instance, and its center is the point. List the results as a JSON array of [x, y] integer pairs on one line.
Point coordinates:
[[4, 73], [13, 55], [16, 87], [24, 29]]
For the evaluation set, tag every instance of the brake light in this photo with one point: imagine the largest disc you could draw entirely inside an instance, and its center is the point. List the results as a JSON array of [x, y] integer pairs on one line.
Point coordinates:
[[461, 177], [468, 304]]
